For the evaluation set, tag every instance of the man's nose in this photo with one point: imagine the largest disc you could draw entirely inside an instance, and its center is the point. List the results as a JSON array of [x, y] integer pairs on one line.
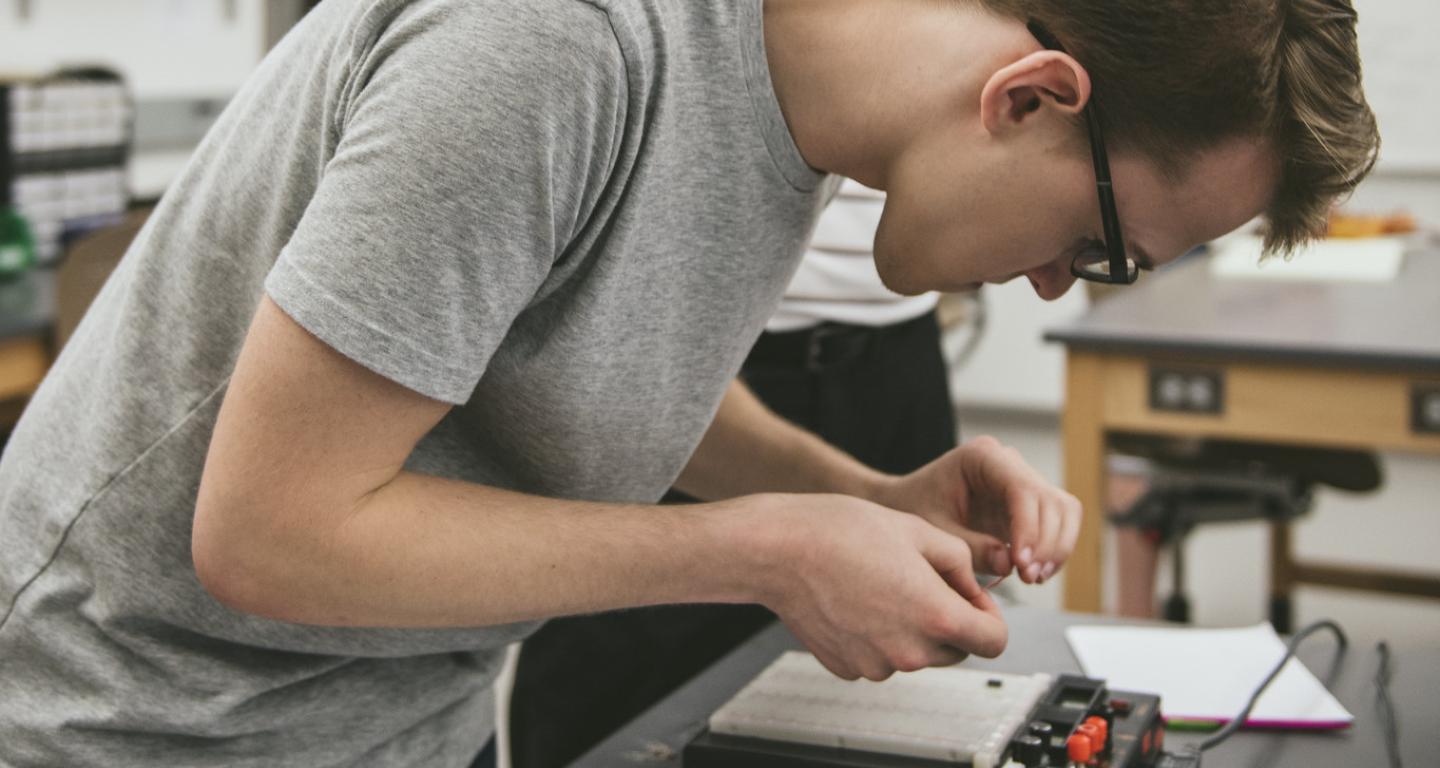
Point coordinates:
[[1051, 282]]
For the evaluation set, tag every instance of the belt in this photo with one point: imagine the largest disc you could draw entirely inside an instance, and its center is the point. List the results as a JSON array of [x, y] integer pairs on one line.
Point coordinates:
[[823, 346]]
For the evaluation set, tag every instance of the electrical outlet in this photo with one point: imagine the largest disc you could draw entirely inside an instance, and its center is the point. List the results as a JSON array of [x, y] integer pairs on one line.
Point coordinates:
[[1425, 409], [1187, 390]]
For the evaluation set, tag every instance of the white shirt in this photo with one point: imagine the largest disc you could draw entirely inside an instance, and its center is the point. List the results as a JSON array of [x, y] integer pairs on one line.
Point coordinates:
[[837, 280]]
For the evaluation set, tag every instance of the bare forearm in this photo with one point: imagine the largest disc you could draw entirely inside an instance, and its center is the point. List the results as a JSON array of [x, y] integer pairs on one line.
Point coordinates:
[[749, 449], [422, 551], [305, 514]]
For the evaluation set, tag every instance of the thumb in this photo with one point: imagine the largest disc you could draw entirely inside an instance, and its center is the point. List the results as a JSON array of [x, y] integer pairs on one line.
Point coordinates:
[[975, 624], [988, 553], [950, 556]]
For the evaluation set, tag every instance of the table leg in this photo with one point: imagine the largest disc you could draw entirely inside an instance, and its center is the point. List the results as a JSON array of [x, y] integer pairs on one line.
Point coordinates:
[[1083, 442], [23, 362]]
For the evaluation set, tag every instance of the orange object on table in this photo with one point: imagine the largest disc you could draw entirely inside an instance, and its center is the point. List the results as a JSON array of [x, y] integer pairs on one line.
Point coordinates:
[[1351, 225]]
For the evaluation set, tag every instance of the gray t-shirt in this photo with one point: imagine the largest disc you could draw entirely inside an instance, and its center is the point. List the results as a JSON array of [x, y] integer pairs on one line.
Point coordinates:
[[570, 219]]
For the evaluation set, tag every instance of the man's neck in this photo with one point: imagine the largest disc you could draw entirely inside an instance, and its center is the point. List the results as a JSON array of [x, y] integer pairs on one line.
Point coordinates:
[[858, 79]]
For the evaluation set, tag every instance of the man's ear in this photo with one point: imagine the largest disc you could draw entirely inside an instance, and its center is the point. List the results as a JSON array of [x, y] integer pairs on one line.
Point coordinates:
[[1018, 90]]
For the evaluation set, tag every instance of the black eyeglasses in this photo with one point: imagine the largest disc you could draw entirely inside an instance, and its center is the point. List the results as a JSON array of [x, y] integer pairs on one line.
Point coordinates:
[[1103, 262]]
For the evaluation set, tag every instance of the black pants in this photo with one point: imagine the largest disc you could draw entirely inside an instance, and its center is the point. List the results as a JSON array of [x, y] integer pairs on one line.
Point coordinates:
[[879, 394]]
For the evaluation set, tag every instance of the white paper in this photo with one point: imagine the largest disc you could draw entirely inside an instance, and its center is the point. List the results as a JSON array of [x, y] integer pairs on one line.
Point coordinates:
[[1365, 260], [1207, 674]]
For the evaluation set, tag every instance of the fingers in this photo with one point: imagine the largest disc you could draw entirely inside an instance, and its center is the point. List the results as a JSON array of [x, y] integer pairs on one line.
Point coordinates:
[[1056, 525], [1047, 550], [837, 667], [1000, 562], [1070, 527], [1025, 531], [988, 554], [969, 620], [892, 592], [974, 627], [945, 656], [1044, 520], [950, 556], [880, 667], [922, 655]]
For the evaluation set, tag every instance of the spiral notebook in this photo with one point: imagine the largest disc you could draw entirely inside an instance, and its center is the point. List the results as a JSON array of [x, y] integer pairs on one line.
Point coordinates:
[[1205, 676]]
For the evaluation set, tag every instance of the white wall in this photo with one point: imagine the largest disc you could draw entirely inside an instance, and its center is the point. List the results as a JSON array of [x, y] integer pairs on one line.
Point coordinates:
[[165, 48], [1397, 47], [1389, 190], [1012, 368]]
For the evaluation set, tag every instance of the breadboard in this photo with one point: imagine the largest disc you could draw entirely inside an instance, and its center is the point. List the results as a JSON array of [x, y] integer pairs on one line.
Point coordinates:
[[952, 714]]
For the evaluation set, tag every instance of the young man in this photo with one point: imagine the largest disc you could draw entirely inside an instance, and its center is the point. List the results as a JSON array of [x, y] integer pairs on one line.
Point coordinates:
[[845, 359], [471, 279]]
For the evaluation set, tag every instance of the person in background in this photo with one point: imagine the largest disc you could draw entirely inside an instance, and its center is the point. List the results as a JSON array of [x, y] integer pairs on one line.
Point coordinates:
[[843, 357]]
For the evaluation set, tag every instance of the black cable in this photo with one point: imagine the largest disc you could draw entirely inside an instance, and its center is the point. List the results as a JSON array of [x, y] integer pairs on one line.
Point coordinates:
[[1387, 707], [1239, 720]]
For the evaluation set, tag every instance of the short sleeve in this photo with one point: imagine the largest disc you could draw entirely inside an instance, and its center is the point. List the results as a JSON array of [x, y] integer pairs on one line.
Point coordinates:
[[472, 139]]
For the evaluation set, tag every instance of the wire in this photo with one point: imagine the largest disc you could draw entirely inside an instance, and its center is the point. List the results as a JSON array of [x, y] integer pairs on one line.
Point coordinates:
[[1387, 707], [974, 316], [1239, 720]]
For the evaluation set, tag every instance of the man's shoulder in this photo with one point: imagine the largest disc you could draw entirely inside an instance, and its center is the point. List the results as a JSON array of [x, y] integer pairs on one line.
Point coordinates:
[[574, 21], [454, 56]]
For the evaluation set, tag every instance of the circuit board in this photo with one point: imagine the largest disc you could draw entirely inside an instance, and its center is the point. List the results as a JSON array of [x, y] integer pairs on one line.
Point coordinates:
[[796, 714]]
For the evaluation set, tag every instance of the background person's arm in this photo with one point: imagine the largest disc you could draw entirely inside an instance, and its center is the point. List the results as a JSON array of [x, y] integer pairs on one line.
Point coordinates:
[[982, 491], [749, 449], [305, 514]]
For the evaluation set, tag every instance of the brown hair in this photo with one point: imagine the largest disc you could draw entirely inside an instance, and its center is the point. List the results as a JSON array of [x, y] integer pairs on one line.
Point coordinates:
[[1175, 77]]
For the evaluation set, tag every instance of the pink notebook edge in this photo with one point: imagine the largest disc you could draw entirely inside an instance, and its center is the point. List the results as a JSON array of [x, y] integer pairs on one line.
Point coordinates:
[[1256, 724]]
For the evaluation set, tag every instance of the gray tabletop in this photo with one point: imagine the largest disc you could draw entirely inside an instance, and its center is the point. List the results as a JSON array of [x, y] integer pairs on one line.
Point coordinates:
[[1037, 644], [1185, 309]]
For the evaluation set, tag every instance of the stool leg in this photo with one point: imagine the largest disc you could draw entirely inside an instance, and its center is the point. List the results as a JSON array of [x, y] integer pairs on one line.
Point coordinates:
[[1177, 606], [1282, 577]]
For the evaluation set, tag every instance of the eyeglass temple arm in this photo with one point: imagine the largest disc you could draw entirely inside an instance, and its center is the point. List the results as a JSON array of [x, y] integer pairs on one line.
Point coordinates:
[[1113, 240]]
